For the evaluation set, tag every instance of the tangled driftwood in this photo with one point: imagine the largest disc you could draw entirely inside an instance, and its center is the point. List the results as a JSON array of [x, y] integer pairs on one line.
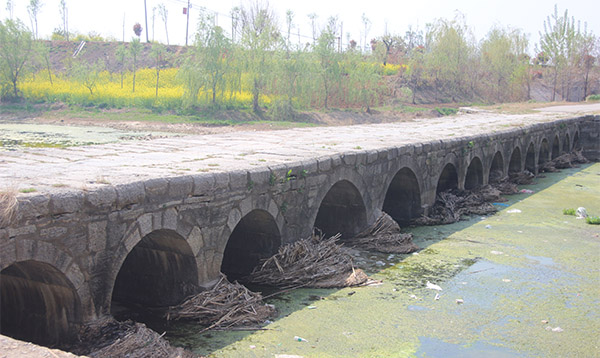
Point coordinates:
[[451, 205], [567, 160], [106, 337], [384, 236], [310, 262], [225, 305]]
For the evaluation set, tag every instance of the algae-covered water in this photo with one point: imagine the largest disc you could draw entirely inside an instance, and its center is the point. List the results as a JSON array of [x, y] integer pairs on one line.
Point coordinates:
[[521, 283], [13, 135]]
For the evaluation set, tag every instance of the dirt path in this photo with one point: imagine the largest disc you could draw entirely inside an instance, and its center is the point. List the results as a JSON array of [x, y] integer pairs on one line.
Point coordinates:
[[12, 348]]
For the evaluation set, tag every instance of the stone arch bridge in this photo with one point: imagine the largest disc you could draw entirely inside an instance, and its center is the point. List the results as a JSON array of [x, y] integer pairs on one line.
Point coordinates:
[[66, 257]]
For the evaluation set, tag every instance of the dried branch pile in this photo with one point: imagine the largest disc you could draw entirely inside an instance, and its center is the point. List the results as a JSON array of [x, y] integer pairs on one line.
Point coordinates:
[[225, 305], [452, 204], [505, 186], [521, 178], [384, 236], [311, 262], [109, 338], [568, 160]]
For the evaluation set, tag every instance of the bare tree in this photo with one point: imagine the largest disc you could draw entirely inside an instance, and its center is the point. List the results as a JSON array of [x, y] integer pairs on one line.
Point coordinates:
[[64, 14], [33, 9], [164, 14], [313, 23], [367, 24], [10, 7]]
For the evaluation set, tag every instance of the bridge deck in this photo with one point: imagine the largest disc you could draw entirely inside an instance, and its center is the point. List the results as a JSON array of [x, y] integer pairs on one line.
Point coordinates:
[[87, 167]]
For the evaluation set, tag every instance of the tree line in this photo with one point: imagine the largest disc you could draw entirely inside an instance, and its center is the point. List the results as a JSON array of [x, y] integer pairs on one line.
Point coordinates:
[[441, 63]]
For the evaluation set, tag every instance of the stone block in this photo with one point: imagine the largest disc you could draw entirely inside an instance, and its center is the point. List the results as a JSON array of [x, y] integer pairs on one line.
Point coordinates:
[[169, 219], [156, 189], [203, 184], [69, 202], [102, 198], [309, 167], [336, 161], [32, 207], [180, 187], [349, 158], [259, 177], [234, 218], [97, 236], [8, 251], [324, 164], [221, 181], [127, 194], [195, 240], [53, 232], [372, 156], [22, 230], [238, 180], [145, 224]]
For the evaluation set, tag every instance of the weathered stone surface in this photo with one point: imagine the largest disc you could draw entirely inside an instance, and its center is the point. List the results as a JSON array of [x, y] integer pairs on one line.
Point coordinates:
[[180, 187]]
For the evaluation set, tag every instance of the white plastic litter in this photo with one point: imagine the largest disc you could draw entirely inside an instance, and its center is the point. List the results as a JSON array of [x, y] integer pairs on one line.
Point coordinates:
[[513, 211], [581, 213], [433, 286]]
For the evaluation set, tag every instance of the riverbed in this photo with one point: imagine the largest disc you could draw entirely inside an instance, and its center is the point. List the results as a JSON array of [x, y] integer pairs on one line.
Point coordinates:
[[520, 283]]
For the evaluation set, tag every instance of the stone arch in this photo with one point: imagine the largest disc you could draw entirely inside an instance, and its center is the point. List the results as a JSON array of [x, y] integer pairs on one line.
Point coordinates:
[[159, 270], [576, 141], [544, 152], [497, 168], [448, 179], [555, 147], [342, 210], [403, 197], [256, 236], [39, 303], [474, 177], [514, 166], [530, 158], [567, 144]]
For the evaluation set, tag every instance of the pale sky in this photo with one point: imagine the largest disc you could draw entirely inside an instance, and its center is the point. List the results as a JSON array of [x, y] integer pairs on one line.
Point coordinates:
[[106, 16]]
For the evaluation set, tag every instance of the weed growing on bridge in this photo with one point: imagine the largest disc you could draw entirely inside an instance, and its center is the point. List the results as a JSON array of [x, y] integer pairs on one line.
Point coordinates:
[[8, 206]]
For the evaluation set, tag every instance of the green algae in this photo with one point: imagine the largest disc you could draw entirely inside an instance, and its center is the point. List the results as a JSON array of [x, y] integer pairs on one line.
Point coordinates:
[[519, 274]]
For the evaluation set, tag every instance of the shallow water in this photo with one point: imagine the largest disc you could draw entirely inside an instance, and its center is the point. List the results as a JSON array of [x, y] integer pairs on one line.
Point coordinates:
[[502, 276]]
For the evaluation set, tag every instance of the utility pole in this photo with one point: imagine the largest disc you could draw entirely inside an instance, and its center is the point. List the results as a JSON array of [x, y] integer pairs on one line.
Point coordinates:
[[187, 24], [146, 16]]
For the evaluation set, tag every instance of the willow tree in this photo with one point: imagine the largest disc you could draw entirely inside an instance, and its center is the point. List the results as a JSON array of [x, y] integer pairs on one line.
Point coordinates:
[[260, 36], [558, 41], [449, 50], [16, 54]]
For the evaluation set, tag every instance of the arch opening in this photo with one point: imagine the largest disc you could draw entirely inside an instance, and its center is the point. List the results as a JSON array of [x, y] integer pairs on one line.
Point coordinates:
[[38, 304], [576, 142], [544, 152], [159, 271], [567, 144], [342, 211], [497, 168], [514, 166], [555, 147], [448, 179], [403, 197], [530, 158], [255, 237], [474, 176]]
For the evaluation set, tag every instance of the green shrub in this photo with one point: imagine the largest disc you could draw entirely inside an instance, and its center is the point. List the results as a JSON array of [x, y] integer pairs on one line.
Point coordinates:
[[444, 111], [593, 97], [569, 212], [593, 220]]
